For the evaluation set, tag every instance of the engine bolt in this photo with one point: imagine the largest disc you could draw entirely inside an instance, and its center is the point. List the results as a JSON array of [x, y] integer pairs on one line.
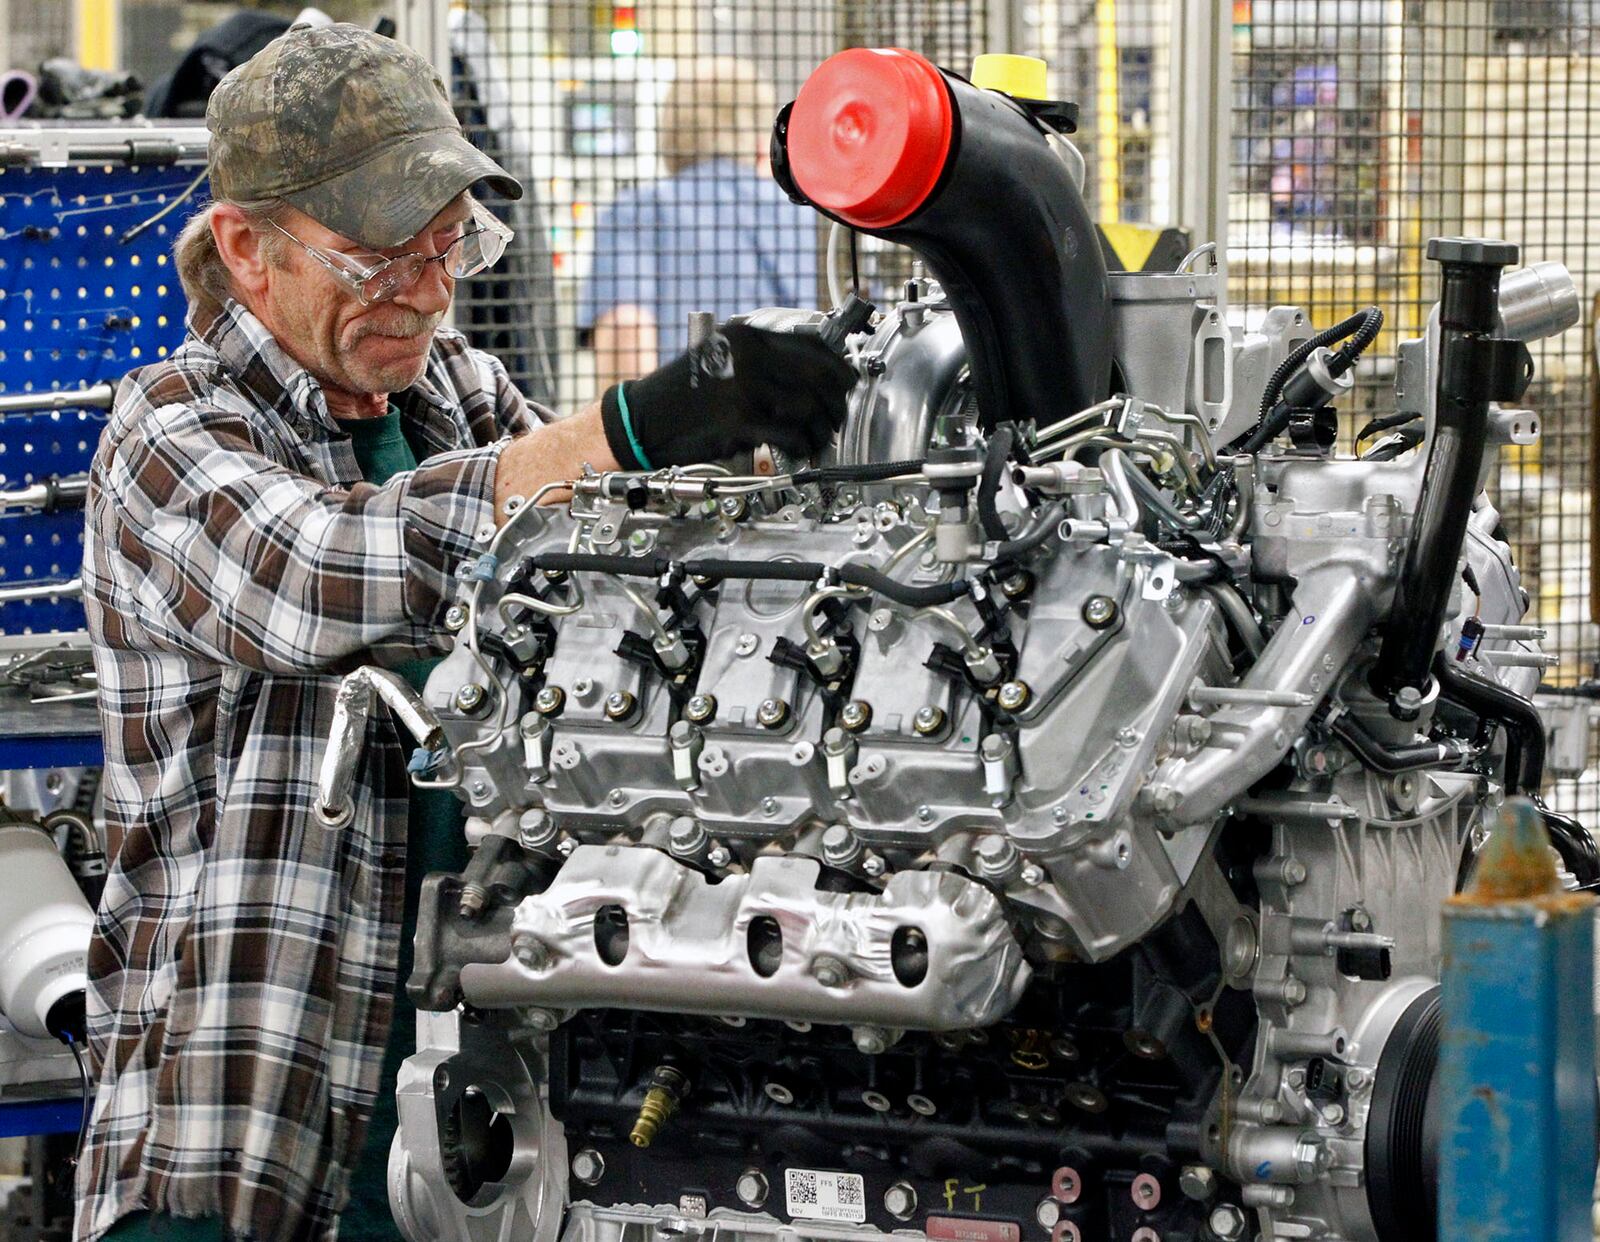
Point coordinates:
[[530, 951], [772, 713], [921, 1105], [548, 702], [1066, 1185], [732, 506], [998, 859], [588, 1166], [1227, 1222], [830, 972], [1047, 1213], [616, 797], [1031, 874], [471, 697], [619, 705], [925, 814], [877, 1101], [928, 720], [1127, 736], [719, 856], [855, 715], [1066, 1231], [769, 806], [700, 708], [746, 644], [778, 1093], [1146, 1192], [1099, 612], [871, 1040], [1197, 1182], [639, 540], [751, 1188], [840, 846], [686, 836], [1144, 1234], [900, 1200], [535, 830], [872, 866], [1013, 696], [455, 617], [1015, 586]]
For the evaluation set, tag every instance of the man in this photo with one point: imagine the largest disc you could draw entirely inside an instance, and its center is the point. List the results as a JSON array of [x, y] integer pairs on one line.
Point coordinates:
[[716, 234], [288, 497]]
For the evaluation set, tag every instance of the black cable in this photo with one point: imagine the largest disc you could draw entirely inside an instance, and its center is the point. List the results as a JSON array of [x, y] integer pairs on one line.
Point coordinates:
[[994, 465], [1361, 328], [783, 571], [1386, 422], [83, 1078], [855, 269], [1390, 447]]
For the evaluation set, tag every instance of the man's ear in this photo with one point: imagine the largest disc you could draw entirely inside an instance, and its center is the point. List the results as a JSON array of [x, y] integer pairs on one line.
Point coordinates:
[[241, 249]]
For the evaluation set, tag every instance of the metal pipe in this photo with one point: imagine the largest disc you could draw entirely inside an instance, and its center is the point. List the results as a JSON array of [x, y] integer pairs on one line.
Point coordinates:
[[352, 705], [43, 590], [1468, 314], [96, 397]]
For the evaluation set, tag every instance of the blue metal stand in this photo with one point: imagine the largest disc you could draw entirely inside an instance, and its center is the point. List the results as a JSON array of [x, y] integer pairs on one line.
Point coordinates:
[[24, 1117], [1517, 1058]]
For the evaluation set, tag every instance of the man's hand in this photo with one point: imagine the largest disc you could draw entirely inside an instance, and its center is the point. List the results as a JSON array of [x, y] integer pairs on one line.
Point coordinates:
[[548, 454], [738, 388]]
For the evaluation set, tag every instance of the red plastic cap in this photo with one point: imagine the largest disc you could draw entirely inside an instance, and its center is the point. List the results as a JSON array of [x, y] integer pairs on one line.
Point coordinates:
[[870, 133]]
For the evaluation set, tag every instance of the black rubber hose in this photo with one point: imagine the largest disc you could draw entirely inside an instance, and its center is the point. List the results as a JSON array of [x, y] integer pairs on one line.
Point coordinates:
[[601, 563], [1572, 841], [1525, 740], [904, 592], [994, 465], [1030, 539], [783, 571], [1381, 757], [867, 472]]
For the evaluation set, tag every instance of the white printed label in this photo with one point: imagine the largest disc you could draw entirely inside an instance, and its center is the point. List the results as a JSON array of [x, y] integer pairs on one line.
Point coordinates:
[[826, 1196]]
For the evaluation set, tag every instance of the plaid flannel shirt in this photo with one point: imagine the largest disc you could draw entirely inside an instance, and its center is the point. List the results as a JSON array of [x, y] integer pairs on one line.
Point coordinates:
[[241, 972]]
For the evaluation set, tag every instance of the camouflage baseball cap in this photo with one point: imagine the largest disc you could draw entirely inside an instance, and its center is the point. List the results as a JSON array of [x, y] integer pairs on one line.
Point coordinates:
[[354, 129]]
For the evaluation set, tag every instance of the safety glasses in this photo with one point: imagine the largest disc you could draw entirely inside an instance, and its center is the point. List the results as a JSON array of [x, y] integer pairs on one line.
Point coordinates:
[[373, 278]]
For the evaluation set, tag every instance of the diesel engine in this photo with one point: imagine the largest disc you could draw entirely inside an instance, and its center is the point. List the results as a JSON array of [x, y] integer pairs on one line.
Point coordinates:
[[1029, 821]]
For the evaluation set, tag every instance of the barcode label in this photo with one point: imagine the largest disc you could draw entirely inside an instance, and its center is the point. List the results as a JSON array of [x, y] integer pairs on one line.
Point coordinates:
[[813, 1195]]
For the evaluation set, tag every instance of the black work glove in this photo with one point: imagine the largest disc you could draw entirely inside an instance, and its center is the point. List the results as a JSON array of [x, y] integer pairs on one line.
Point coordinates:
[[738, 388]]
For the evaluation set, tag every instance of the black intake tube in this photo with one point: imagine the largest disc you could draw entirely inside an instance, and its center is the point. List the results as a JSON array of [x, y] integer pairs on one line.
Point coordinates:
[[1489, 700], [1469, 309], [1006, 234]]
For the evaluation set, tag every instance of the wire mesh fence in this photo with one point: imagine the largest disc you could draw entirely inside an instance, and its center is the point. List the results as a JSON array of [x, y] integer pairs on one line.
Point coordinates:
[[640, 133], [1361, 128]]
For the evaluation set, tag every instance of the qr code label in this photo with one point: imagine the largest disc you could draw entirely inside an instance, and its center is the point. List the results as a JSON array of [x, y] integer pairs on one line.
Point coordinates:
[[813, 1195]]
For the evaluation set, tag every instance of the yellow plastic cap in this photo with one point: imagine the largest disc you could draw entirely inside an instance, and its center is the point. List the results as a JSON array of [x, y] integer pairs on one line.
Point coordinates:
[[1022, 77]]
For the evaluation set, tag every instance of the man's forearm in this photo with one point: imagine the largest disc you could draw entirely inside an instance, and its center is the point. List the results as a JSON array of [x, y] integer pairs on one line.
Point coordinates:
[[550, 454]]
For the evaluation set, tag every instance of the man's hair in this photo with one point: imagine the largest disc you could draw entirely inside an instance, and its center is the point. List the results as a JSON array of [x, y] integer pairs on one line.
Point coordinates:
[[716, 107], [206, 280]]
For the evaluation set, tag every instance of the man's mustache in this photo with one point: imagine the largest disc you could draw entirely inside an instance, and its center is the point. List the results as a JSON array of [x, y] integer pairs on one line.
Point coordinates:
[[401, 322]]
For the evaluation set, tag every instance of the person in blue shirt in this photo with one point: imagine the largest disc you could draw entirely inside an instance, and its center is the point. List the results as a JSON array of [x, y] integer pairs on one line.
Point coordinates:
[[716, 234]]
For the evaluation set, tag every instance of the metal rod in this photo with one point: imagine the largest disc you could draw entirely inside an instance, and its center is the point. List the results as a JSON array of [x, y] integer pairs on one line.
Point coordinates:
[[96, 396]]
